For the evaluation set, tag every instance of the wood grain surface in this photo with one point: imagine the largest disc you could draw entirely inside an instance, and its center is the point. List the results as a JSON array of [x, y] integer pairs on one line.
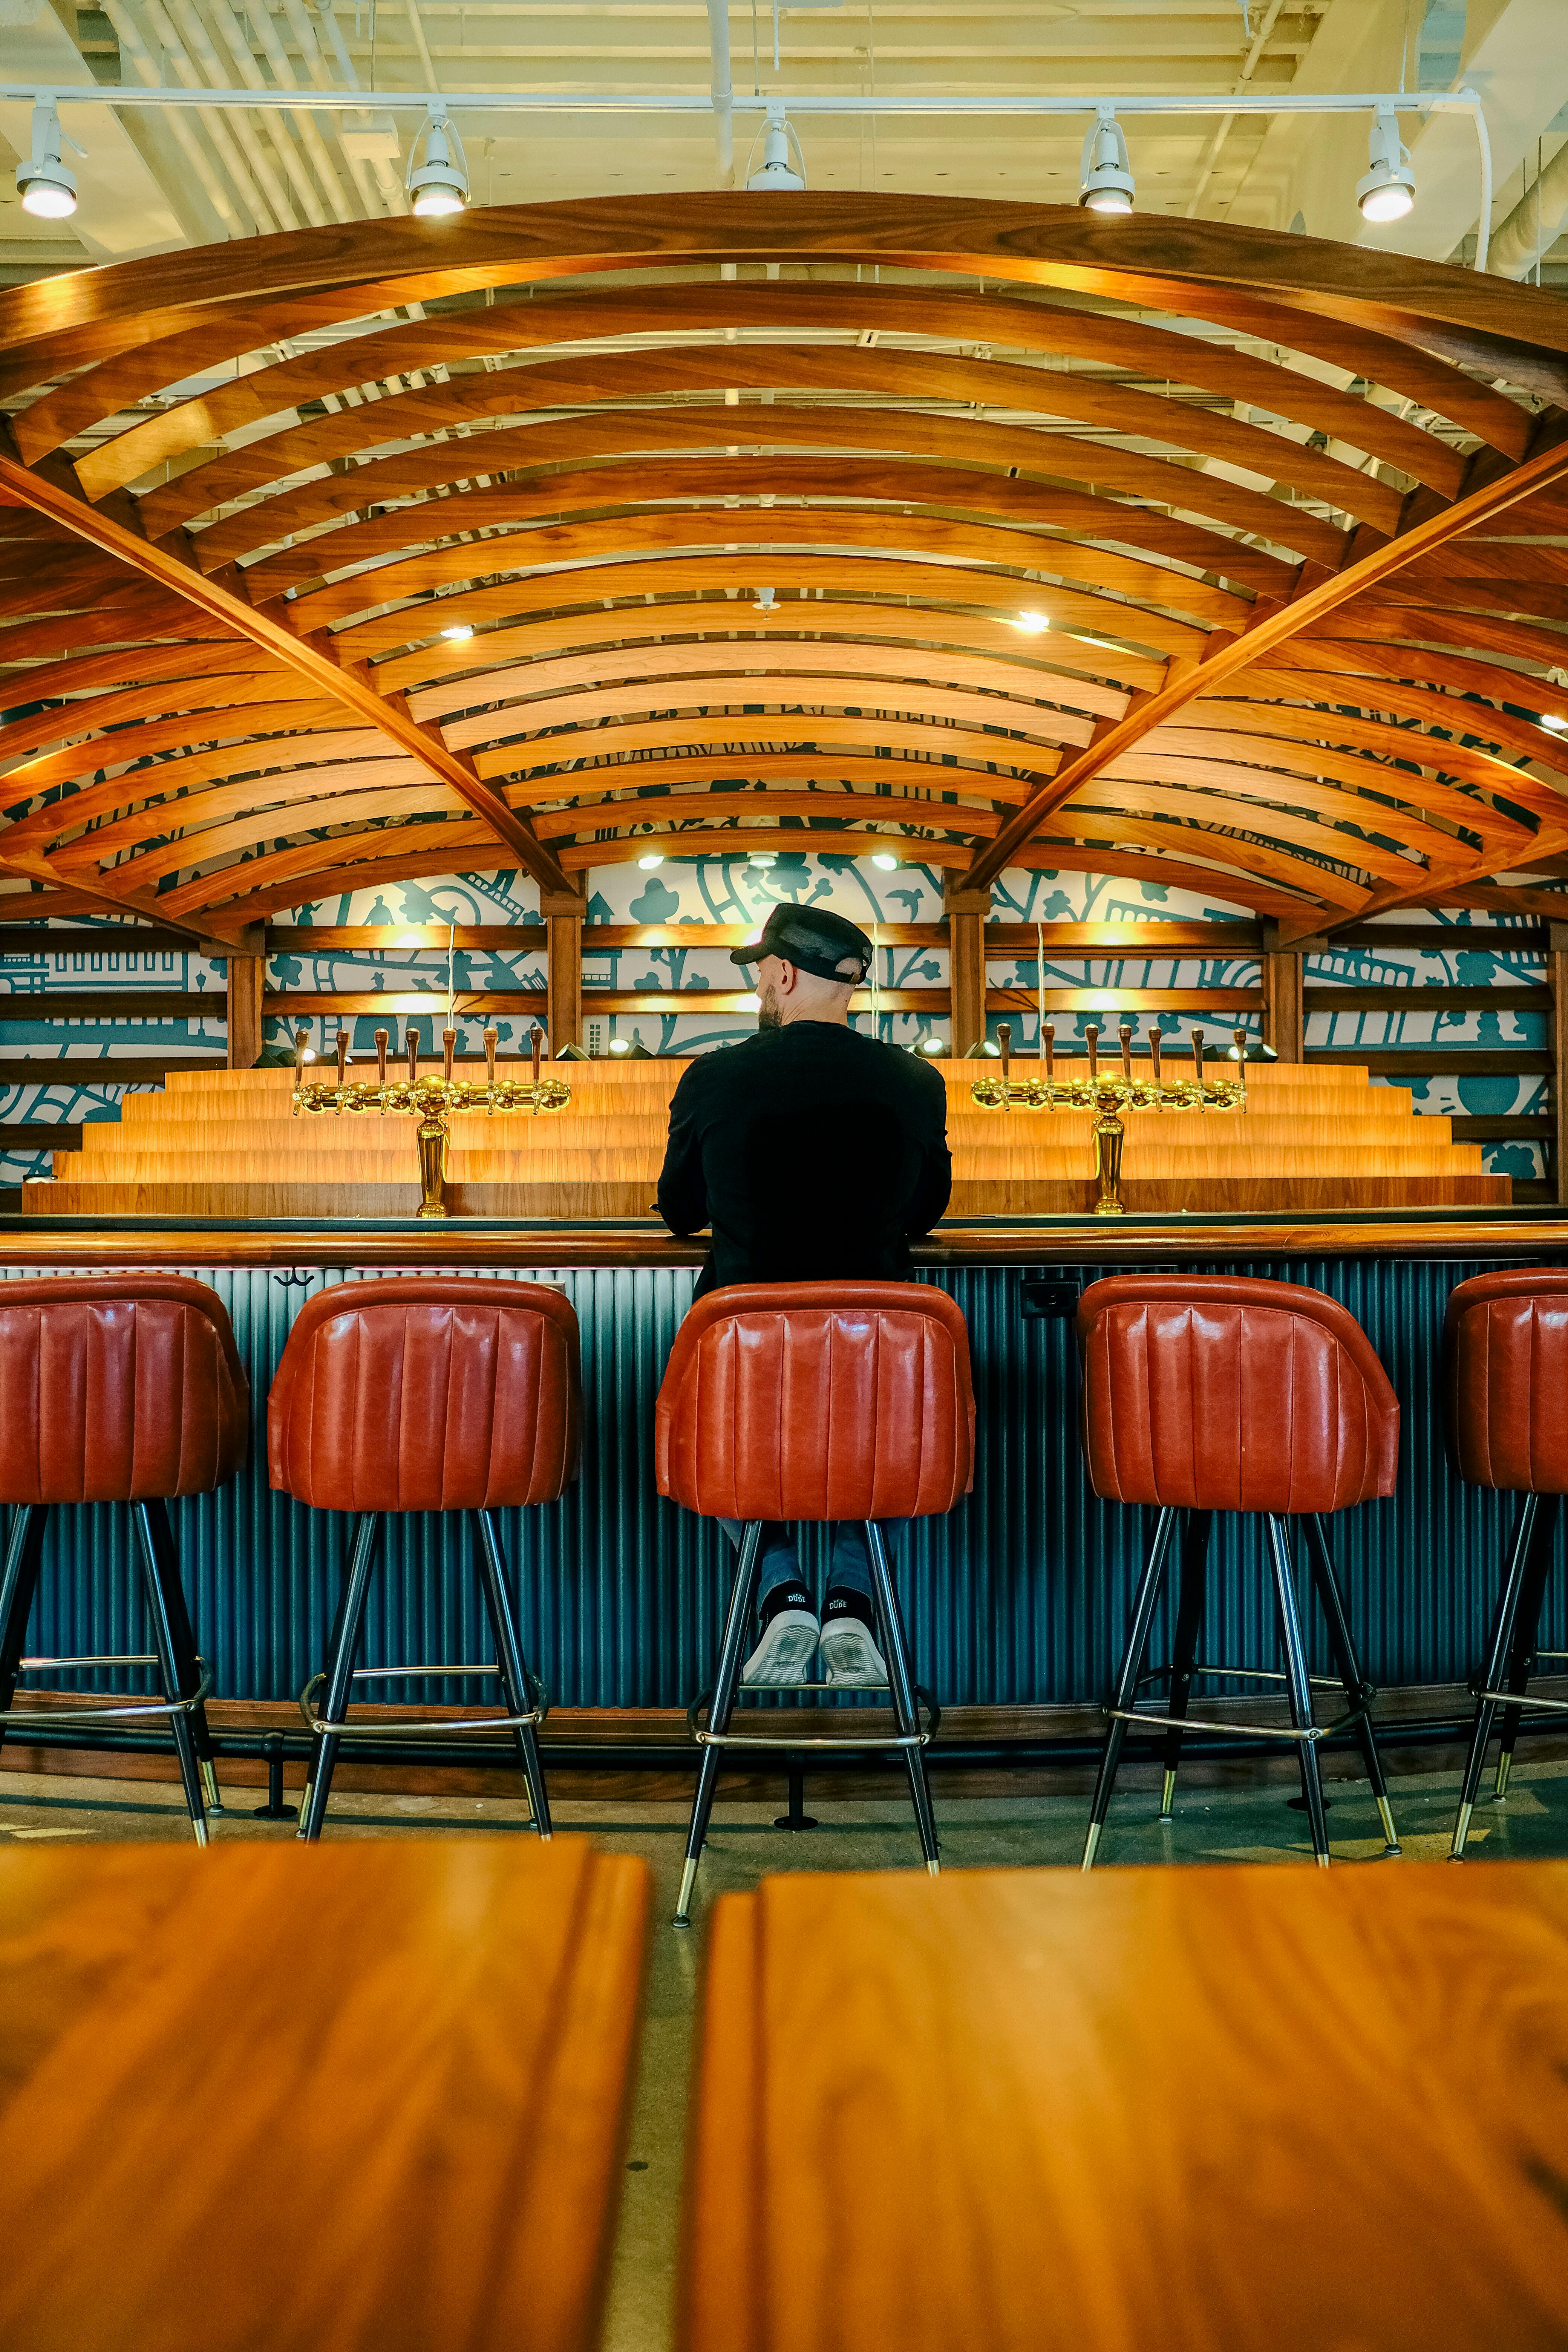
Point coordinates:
[[1223, 2110], [367, 2097]]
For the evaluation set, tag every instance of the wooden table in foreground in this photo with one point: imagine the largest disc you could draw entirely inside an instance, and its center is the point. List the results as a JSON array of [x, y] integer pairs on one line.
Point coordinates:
[[1227, 2110], [372, 2096]]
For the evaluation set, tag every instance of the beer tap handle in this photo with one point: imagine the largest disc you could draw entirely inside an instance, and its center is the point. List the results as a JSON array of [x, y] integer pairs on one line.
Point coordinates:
[[1091, 1038], [1159, 1077], [299, 1037], [381, 1038], [412, 1055], [448, 1047], [1125, 1034], [1048, 1035], [1198, 1065], [536, 1043], [1004, 1041], [343, 1056], [1241, 1041], [491, 1037]]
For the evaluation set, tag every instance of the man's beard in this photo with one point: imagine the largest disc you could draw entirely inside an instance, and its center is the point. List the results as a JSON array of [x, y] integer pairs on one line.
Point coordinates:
[[768, 1013]]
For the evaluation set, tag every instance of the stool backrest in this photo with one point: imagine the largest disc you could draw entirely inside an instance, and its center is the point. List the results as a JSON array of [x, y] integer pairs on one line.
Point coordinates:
[[117, 1389], [1505, 1380], [818, 1400], [1221, 1396], [427, 1393]]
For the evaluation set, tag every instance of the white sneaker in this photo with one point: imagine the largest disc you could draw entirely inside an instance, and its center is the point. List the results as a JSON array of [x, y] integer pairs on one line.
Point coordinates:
[[785, 1655], [850, 1658]]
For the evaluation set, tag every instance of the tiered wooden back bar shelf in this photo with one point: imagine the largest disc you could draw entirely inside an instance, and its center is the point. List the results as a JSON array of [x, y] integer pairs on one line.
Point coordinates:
[[228, 1143]]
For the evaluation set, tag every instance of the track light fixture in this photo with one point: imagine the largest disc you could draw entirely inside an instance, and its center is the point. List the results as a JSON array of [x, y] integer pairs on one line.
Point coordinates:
[[441, 186], [46, 188], [778, 133], [1105, 174], [1387, 191]]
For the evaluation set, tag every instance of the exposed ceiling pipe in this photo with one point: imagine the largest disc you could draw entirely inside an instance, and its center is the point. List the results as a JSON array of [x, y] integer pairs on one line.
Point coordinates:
[[1535, 222], [266, 160], [388, 179], [217, 200], [213, 122], [1221, 133], [723, 89]]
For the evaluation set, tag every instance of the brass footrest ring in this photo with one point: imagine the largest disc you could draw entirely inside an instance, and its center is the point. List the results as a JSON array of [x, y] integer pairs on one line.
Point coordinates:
[[54, 1717]]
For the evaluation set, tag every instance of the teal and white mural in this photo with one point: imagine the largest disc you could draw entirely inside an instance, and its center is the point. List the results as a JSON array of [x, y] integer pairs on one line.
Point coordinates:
[[696, 892]]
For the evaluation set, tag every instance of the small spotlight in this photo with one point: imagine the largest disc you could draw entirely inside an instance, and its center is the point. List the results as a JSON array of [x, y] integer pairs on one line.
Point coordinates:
[[762, 857], [620, 1046], [766, 602], [441, 186], [885, 864], [47, 189], [931, 1045], [655, 857], [408, 939], [459, 632], [777, 172], [1387, 191], [309, 1054], [1033, 624], [1105, 174]]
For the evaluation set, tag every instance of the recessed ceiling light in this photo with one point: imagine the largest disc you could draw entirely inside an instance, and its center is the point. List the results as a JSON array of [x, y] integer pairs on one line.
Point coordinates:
[[459, 632], [762, 857], [655, 857], [1033, 624], [889, 864]]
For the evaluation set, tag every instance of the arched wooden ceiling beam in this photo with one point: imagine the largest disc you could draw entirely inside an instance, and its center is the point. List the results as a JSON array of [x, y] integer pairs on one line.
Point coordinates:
[[318, 509], [883, 376], [752, 533], [1070, 671], [1275, 627], [159, 786], [130, 617], [1379, 615], [227, 889], [737, 691], [1332, 895], [956, 586], [620, 742], [1361, 752], [825, 812], [187, 685], [1455, 677], [249, 723], [1215, 883], [1279, 829], [355, 810], [823, 488], [579, 685], [379, 464], [54, 325], [341, 795], [348, 685], [782, 309], [1419, 813], [1328, 693]]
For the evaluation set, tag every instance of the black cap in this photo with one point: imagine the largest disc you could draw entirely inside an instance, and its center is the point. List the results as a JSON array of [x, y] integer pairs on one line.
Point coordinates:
[[811, 938]]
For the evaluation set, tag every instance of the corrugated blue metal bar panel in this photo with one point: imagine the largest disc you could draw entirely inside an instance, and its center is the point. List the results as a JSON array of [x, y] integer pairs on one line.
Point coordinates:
[[1020, 1596]]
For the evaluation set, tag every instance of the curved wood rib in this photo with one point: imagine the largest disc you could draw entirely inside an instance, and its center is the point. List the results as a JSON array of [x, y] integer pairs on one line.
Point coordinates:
[[1298, 639]]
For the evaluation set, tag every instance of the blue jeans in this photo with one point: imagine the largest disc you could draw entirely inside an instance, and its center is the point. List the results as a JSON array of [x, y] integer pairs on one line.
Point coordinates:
[[779, 1563]]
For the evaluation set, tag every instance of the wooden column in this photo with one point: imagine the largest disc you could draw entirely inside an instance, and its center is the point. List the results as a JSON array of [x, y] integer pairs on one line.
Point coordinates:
[[564, 966], [247, 979], [1557, 974], [966, 912], [1284, 1018]]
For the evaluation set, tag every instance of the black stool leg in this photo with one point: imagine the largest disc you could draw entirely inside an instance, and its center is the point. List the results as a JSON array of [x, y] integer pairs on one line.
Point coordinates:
[[184, 1640], [901, 1689], [514, 1679], [1526, 1626], [1499, 1650], [1300, 1689], [730, 1658], [1127, 1679], [18, 1583], [1357, 1688], [169, 1668], [340, 1671], [1184, 1648]]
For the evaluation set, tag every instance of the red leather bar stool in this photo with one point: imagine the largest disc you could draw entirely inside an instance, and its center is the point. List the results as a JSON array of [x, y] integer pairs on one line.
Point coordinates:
[[118, 1389], [425, 1393], [1203, 1394], [815, 1400], [1505, 1409]]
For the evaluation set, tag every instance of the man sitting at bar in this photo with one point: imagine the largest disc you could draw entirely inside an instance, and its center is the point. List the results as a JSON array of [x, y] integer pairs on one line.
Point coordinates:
[[815, 1154]]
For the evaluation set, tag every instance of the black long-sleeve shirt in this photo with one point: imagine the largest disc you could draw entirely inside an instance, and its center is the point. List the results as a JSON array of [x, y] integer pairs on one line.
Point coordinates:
[[813, 1152]]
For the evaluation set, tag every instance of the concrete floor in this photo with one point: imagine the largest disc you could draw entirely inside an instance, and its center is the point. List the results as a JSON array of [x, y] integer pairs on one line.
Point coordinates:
[[1211, 1825]]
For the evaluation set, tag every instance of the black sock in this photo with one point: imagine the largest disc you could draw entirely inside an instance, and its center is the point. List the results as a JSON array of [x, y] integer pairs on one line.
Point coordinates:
[[849, 1601], [791, 1594]]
